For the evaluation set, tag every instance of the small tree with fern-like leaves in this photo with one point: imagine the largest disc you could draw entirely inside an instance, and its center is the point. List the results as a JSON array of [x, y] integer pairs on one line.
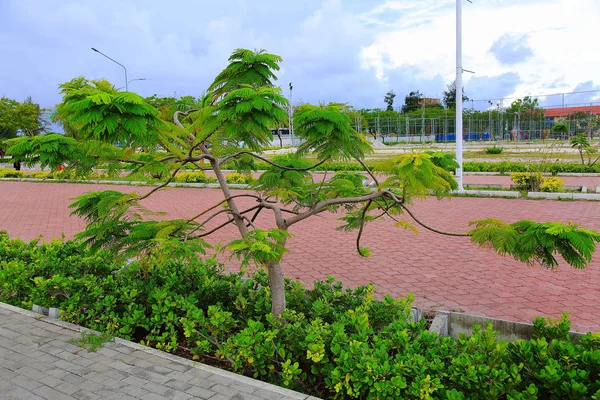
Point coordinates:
[[230, 128]]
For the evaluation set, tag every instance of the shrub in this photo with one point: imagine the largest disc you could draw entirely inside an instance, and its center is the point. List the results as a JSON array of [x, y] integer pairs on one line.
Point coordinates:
[[527, 181], [494, 150], [39, 175], [552, 184], [191, 177], [11, 173], [330, 342], [236, 177]]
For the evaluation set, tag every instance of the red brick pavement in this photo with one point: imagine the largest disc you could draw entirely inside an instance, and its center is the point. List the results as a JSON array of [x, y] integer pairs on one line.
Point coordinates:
[[442, 272]]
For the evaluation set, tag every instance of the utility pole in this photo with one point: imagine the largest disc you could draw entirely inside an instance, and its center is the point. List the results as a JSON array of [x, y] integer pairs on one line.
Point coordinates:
[[291, 117], [459, 105]]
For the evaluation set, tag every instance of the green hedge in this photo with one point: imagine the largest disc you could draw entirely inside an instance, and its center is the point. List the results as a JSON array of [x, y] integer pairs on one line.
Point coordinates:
[[507, 167], [331, 342]]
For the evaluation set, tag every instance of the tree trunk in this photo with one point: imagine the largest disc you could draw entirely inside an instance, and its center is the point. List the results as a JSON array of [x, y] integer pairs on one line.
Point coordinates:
[[277, 285]]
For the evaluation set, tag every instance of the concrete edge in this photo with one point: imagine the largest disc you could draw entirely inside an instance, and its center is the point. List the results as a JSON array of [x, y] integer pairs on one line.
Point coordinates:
[[203, 367], [507, 330], [129, 183], [489, 193], [571, 196]]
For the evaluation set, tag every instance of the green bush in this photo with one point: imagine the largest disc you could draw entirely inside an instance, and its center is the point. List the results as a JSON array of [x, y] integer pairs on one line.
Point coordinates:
[[191, 177], [552, 184], [331, 342], [11, 173], [507, 167], [494, 150], [39, 175], [527, 181], [236, 177]]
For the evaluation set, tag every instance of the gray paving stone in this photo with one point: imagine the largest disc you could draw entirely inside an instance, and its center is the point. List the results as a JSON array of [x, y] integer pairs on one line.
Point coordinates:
[[85, 395], [200, 392], [38, 362], [18, 393], [50, 394], [178, 385]]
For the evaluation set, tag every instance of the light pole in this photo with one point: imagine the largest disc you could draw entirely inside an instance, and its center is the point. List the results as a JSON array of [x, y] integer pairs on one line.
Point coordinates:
[[291, 117], [458, 101], [116, 62]]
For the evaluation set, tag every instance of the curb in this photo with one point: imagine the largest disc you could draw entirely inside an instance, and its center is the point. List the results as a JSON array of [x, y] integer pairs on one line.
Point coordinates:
[[570, 196], [203, 367]]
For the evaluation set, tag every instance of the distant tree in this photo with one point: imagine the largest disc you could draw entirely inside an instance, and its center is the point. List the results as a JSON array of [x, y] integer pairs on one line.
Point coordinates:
[[412, 101], [20, 118], [449, 99], [389, 100], [583, 145]]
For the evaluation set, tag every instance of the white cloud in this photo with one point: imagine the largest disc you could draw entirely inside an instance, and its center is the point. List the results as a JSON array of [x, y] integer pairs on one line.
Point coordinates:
[[561, 33]]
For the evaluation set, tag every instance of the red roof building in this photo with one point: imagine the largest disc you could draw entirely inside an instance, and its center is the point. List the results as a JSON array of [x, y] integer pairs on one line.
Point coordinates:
[[564, 112]]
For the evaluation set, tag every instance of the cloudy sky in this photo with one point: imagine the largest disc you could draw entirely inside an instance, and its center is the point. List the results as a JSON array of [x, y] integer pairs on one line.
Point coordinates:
[[334, 50]]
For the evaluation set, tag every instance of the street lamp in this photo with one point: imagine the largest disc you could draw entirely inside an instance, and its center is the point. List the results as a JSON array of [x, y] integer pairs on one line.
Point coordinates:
[[136, 79], [131, 80], [116, 62]]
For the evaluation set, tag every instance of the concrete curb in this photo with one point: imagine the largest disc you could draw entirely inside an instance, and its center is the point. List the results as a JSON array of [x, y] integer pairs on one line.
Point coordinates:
[[170, 357], [130, 183], [570, 196], [489, 193], [455, 323]]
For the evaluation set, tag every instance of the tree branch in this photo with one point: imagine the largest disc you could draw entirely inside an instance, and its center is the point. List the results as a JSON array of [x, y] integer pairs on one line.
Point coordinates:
[[159, 187], [221, 162], [430, 228], [362, 226], [368, 171], [320, 206]]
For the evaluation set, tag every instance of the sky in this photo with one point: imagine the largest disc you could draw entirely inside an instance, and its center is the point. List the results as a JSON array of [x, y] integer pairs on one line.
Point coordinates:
[[333, 50]]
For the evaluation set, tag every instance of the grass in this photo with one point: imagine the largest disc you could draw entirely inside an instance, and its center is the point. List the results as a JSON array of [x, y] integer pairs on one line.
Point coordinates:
[[92, 341]]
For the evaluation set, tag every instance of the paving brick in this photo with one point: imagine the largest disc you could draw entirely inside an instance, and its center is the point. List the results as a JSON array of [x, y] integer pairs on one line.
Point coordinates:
[[200, 392], [50, 394]]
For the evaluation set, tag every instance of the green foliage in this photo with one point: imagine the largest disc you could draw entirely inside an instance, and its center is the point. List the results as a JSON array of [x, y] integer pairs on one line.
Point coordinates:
[[246, 67], [560, 127], [11, 173], [92, 341], [328, 132], [247, 114], [494, 150], [527, 181], [552, 184], [330, 342], [260, 246], [416, 175], [238, 178], [25, 118], [99, 112], [191, 177], [532, 242], [287, 185], [50, 150]]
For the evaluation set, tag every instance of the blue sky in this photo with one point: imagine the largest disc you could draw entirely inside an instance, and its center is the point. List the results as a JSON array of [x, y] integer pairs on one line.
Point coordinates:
[[333, 50]]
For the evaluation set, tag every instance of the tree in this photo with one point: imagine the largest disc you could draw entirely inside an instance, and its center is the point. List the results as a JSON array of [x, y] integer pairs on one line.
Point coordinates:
[[236, 123], [582, 144], [449, 99], [412, 102], [389, 100], [20, 118]]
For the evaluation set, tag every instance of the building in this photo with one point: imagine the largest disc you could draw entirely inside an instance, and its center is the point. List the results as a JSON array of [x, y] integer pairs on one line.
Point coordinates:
[[553, 114], [427, 101]]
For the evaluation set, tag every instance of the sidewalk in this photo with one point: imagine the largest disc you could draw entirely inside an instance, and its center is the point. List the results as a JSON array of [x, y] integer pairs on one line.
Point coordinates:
[[39, 362]]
